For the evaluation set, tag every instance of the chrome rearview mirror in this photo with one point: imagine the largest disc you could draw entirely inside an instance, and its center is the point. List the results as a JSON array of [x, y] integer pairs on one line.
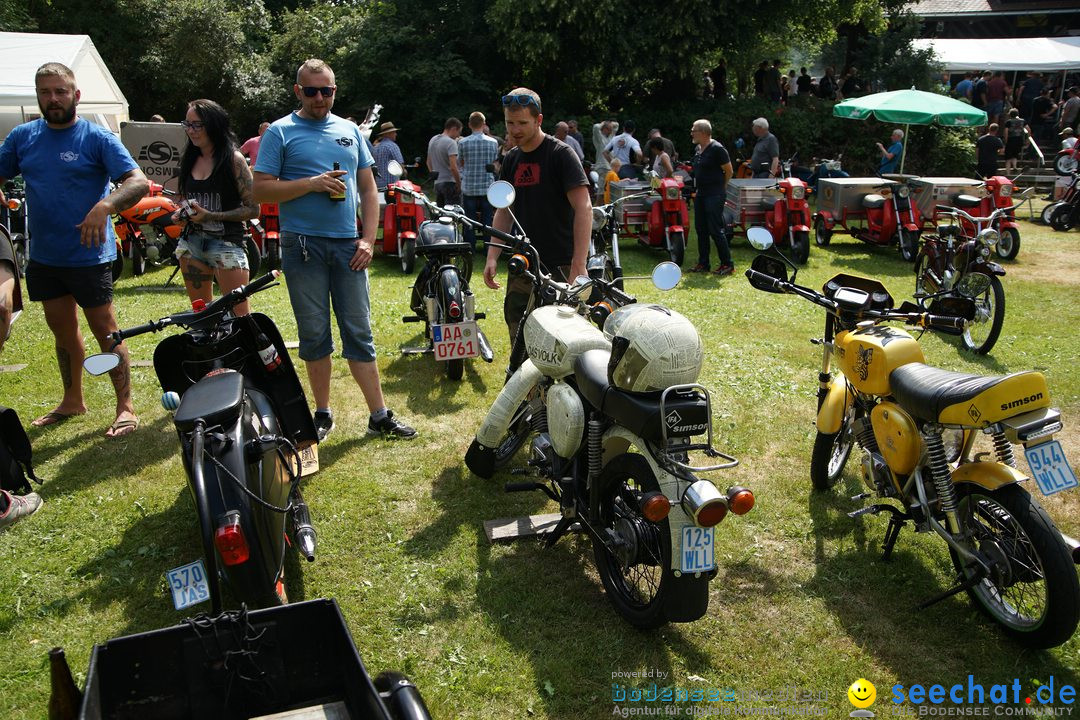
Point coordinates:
[[666, 275], [101, 363], [394, 168], [501, 194], [760, 238], [973, 285]]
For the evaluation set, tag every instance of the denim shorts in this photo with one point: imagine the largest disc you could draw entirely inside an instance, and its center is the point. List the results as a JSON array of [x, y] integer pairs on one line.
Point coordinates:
[[212, 250], [318, 275]]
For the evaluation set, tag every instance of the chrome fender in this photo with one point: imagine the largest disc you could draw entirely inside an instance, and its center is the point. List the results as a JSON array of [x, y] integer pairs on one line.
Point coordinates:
[[617, 440], [834, 407], [514, 392], [987, 475]]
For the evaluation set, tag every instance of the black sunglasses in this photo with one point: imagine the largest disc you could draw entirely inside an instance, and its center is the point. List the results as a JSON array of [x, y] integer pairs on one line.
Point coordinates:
[[327, 91]]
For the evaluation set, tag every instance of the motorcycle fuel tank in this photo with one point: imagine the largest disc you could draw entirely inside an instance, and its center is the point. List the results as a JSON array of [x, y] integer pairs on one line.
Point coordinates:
[[897, 437], [555, 335], [868, 355]]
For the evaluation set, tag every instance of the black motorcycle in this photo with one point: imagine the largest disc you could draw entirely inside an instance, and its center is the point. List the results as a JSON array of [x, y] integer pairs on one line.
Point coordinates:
[[13, 223], [243, 420]]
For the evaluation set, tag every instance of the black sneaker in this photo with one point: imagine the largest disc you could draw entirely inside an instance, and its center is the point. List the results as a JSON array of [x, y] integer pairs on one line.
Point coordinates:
[[324, 423], [390, 427]]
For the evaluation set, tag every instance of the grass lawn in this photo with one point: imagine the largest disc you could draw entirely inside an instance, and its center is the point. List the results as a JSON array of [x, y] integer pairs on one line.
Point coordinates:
[[512, 631]]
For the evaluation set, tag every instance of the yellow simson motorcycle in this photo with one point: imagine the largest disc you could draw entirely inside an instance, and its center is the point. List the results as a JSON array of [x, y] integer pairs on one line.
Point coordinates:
[[917, 426]]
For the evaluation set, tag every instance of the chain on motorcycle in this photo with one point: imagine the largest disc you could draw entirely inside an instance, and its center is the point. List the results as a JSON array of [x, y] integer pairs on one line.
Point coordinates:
[[294, 479]]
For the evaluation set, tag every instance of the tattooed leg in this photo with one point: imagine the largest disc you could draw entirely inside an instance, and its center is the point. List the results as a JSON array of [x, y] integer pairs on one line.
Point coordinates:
[[103, 323], [198, 279], [63, 321]]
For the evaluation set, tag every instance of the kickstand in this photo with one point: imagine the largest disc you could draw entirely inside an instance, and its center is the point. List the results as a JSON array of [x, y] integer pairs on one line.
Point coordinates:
[[966, 585], [169, 281], [560, 529], [896, 524]]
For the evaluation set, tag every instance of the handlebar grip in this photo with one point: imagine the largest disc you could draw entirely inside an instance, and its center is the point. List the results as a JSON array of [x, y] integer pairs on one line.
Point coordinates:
[[259, 283], [772, 282], [151, 326], [945, 321], [944, 208], [618, 295]]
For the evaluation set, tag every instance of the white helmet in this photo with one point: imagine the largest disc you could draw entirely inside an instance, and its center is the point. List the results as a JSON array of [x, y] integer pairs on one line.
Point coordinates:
[[652, 348]]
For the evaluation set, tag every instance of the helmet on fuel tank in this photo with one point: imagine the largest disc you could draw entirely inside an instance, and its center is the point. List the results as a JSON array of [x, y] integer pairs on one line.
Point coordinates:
[[652, 348]]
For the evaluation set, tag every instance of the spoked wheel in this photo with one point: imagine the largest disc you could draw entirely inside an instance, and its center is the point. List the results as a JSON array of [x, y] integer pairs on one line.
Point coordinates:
[[980, 336], [1009, 244], [1061, 219], [926, 280], [800, 247], [1049, 210], [407, 255], [1032, 589], [677, 247], [908, 244], [822, 234], [1065, 164], [633, 555], [518, 432], [831, 451]]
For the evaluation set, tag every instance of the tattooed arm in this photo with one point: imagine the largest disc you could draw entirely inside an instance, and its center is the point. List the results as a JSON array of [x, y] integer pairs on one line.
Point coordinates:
[[248, 208], [131, 187]]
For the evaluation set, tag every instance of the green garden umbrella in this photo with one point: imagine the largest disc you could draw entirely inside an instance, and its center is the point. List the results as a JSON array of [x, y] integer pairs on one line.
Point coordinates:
[[911, 107]]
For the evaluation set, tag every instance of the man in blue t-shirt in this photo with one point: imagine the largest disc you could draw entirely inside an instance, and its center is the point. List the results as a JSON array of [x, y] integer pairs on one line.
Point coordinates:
[[67, 163], [313, 164], [890, 156]]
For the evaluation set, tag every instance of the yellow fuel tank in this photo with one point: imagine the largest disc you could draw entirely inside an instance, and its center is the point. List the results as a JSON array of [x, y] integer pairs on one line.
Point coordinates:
[[897, 437], [868, 355]]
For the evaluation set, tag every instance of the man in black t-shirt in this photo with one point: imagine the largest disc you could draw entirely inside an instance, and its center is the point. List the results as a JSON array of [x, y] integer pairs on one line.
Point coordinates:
[[987, 149], [552, 202], [712, 170]]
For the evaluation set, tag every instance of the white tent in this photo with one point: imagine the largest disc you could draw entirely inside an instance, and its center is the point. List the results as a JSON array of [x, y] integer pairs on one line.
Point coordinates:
[[1043, 54], [21, 54]]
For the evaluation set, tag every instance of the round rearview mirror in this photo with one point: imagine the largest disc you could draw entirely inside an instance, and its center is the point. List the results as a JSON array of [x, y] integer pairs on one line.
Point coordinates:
[[760, 238], [973, 284], [101, 363], [666, 275], [501, 194], [394, 168]]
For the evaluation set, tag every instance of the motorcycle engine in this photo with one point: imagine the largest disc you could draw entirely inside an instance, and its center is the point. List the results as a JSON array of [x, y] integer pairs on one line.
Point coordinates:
[[652, 348]]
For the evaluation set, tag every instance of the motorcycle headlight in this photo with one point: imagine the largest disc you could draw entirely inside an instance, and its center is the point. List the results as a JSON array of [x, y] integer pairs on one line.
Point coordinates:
[[989, 237], [672, 193], [798, 192], [599, 219], [1006, 190], [405, 198], [903, 191]]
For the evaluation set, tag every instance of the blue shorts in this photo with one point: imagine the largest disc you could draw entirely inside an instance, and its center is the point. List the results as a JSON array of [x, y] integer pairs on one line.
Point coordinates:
[[318, 275], [214, 251]]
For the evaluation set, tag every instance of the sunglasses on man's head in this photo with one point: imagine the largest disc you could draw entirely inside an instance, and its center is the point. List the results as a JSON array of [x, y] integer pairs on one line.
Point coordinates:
[[326, 91], [193, 125], [523, 100]]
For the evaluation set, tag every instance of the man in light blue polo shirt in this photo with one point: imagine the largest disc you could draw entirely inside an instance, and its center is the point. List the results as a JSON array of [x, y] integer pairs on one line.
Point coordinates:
[[313, 164], [477, 153]]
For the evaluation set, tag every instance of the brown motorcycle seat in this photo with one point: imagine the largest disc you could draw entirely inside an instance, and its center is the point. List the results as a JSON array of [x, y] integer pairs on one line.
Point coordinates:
[[954, 398], [873, 200]]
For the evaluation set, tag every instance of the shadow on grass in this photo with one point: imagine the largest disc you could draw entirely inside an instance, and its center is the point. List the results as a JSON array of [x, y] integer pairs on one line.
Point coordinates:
[[875, 602], [423, 380]]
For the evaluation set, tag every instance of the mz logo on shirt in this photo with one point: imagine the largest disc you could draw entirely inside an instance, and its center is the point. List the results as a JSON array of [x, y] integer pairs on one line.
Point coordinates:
[[527, 174]]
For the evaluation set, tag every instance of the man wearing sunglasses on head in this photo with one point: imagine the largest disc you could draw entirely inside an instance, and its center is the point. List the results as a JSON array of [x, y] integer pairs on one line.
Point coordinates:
[[552, 202], [314, 164]]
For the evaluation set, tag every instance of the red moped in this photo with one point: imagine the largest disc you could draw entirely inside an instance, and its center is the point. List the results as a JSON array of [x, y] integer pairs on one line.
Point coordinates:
[[888, 215], [787, 217], [668, 218], [266, 233], [401, 222], [999, 194]]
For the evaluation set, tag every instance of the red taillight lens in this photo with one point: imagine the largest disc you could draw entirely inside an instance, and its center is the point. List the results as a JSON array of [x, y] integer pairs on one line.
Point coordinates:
[[230, 541], [712, 513], [740, 500], [455, 310], [655, 506]]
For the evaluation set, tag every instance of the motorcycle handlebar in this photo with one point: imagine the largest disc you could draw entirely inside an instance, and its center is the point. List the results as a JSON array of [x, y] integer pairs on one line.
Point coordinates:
[[948, 209], [772, 282]]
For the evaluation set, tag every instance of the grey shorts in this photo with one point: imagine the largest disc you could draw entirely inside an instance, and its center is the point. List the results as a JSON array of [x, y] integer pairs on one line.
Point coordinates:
[[214, 251]]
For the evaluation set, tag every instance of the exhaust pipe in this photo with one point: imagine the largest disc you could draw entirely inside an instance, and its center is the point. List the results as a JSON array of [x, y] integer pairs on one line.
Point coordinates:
[[302, 529], [1074, 547]]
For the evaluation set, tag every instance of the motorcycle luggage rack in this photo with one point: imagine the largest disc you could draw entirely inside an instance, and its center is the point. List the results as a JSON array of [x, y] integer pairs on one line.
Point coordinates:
[[706, 447]]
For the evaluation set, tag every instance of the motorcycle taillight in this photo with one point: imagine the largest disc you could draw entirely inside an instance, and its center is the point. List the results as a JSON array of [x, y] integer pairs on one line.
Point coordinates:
[[455, 310], [229, 540]]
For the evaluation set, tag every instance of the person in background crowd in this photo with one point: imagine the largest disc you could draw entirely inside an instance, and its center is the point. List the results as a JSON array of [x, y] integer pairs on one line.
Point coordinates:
[[661, 161], [759, 78], [74, 246], [987, 149], [1070, 110], [827, 85], [575, 133], [322, 257], [386, 149], [669, 147], [478, 153], [962, 91], [611, 177], [771, 83], [978, 91], [625, 147], [793, 84], [1027, 92], [216, 180], [890, 156], [851, 85], [552, 203], [602, 132], [765, 158], [1043, 114], [1016, 135], [1068, 139], [785, 88], [712, 170], [250, 148], [719, 80], [996, 92], [805, 83], [157, 118], [562, 132], [442, 159]]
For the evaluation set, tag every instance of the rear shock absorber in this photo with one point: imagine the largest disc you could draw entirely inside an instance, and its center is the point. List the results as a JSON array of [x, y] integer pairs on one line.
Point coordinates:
[[596, 435], [939, 472], [1003, 450]]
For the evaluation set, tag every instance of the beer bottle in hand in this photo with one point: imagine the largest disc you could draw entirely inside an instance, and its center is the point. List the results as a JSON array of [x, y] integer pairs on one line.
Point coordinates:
[[338, 197]]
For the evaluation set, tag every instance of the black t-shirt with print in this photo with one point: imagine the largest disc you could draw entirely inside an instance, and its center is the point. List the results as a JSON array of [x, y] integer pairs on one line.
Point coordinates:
[[709, 178], [541, 179], [986, 149]]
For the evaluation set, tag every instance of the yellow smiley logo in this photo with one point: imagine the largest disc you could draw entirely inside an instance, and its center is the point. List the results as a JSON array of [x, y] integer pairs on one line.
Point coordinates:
[[862, 693]]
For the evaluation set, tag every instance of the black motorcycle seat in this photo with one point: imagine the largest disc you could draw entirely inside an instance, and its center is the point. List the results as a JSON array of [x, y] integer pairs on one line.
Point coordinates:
[[639, 412], [873, 200], [216, 399], [966, 201], [768, 203], [927, 392]]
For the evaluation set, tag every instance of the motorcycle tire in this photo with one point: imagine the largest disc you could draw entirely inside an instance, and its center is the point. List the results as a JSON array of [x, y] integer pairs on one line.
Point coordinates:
[[800, 247], [991, 307], [22, 255], [455, 369], [1035, 596], [1048, 211], [677, 248], [117, 268], [907, 242], [822, 235], [138, 259], [635, 585], [408, 256], [926, 280], [1009, 244], [1065, 164], [831, 452], [254, 257], [273, 254], [1061, 219], [516, 434]]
